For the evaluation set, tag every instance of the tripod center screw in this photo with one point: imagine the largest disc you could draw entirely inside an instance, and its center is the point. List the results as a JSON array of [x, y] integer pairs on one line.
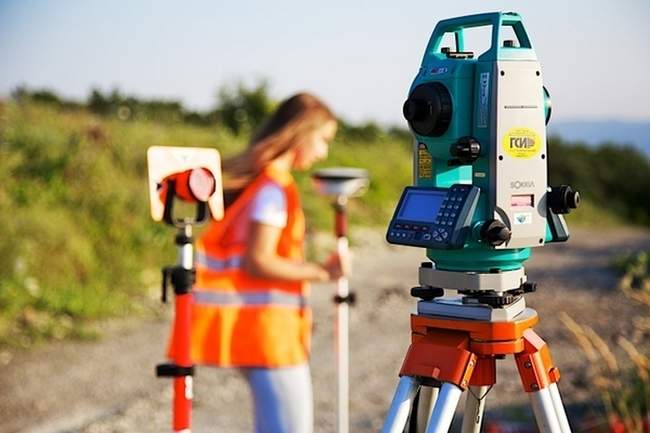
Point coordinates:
[[527, 364]]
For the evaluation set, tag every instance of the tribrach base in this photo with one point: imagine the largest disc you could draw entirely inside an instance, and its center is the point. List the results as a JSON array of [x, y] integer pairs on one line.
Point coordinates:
[[456, 354]]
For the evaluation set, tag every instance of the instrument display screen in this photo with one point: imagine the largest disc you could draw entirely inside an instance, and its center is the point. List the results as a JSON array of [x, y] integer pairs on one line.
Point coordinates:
[[420, 205]]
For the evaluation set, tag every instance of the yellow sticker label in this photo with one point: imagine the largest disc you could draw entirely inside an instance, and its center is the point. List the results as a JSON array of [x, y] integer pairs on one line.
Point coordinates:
[[522, 143], [425, 162]]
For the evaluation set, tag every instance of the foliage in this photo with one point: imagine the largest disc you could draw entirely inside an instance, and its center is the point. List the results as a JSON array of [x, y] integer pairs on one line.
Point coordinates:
[[78, 243], [625, 391], [635, 279], [241, 110], [613, 177]]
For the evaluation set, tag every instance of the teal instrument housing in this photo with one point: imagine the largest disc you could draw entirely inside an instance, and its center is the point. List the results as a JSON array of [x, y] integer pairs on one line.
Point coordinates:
[[473, 111]]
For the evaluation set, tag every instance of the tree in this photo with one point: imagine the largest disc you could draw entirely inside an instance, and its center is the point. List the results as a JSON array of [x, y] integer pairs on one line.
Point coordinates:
[[244, 109]]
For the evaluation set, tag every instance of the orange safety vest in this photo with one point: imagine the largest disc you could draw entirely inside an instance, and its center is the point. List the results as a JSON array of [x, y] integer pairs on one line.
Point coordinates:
[[239, 320]]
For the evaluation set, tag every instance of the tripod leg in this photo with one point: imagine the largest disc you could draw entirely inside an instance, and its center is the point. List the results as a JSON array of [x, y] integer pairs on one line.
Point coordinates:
[[443, 411], [559, 408], [401, 405], [428, 397], [544, 410], [474, 407]]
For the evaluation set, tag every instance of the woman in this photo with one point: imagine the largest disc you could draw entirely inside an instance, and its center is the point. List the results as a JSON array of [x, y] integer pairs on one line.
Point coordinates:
[[250, 301]]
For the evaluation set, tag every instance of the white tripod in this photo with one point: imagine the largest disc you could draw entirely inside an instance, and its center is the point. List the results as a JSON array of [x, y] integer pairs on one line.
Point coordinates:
[[453, 351]]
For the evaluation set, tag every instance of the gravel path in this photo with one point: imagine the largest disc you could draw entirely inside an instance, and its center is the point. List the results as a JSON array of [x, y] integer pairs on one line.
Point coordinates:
[[109, 386]]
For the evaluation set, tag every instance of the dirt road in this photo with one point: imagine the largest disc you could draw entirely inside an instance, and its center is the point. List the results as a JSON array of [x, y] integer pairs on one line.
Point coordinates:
[[109, 386]]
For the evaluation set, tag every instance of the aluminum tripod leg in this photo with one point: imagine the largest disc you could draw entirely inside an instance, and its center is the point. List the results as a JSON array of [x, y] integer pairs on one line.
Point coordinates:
[[559, 408], [544, 410], [474, 408], [443, 411], [427, 399], [401, 405]]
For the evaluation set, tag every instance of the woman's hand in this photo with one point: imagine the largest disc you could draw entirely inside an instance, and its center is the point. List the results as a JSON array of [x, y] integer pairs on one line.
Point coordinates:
[[338, 265]]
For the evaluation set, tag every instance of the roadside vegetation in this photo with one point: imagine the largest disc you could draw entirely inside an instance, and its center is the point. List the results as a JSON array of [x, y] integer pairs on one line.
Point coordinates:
[[622, 383], [78, 241]]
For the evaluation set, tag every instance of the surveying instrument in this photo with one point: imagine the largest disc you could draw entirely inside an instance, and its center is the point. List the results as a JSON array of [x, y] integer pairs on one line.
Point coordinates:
[[192, 175], [480, 202], [339, 184]]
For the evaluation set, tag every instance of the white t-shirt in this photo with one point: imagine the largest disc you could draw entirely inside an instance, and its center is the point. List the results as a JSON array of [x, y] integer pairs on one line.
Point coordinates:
[[270, 206]]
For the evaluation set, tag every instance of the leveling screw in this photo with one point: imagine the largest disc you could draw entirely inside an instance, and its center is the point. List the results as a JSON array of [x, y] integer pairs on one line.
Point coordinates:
[[528, 364]]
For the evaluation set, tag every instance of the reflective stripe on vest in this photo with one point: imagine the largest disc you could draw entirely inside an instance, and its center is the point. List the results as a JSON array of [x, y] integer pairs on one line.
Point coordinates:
[[216, 264], [252, 298]]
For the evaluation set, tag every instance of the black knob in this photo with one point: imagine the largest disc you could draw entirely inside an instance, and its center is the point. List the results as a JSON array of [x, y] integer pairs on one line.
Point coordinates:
[[466, 150], [427, 293], [529, 287], [415, 109], [561, 199], [495, 232], [428, 109]]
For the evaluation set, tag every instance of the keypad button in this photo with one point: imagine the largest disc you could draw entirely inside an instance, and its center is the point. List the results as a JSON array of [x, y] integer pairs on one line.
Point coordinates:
[[426, 237], [445, 235], [456, 207], [439, 239], [398, 226]]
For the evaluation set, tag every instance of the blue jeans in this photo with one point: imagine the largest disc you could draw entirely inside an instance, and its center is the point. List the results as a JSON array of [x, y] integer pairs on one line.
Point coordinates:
[[283, 399]]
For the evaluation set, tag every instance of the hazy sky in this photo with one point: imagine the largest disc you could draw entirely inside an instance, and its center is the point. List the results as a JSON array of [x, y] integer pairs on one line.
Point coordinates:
[[360, 56]]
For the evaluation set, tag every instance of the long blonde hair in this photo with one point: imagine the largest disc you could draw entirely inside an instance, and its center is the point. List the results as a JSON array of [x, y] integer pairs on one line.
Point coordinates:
[[279, 134]]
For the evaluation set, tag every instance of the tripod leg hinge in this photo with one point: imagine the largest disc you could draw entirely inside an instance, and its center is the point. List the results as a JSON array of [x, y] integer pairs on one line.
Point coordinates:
[[443, 356], [350, 299], [173, 370], [535, 365]]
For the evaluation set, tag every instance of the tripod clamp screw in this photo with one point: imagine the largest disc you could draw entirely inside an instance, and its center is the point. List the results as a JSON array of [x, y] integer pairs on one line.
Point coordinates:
[[173, 370], [182, 280], [350, 299], [427, 293]]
